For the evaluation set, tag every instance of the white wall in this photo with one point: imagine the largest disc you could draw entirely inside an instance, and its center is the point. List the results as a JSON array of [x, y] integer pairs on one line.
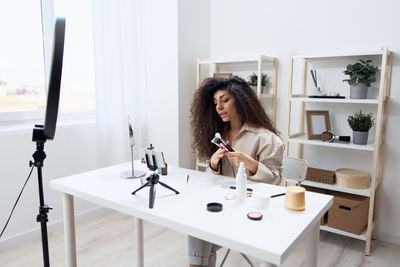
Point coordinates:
[[73, 150], [194, 42], [176, 34], [162, 76], [279, 28]]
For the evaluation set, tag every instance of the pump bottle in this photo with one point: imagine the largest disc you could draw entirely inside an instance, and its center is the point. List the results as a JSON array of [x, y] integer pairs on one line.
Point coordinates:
[[241, 183]]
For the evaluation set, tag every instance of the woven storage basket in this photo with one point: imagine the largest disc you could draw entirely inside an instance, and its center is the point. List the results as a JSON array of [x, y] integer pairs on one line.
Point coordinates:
[[320, 175]]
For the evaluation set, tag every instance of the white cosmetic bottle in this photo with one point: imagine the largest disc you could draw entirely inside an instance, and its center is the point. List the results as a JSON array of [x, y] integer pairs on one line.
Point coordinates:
[[241, 184]]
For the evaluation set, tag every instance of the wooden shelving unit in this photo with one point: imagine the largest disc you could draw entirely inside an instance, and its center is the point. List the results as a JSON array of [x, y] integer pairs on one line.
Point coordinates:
[[380, 103], [218, 64]]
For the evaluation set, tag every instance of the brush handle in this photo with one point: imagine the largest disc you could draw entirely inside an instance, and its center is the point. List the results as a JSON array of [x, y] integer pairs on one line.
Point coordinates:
[[278, 195], [227, 146], [314, 77]]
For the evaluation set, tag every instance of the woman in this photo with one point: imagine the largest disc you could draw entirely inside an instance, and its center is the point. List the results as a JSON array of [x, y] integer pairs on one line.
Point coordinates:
[[230, 107]]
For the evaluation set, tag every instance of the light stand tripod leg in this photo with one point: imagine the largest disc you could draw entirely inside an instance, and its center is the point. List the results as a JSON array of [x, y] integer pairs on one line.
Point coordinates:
[[143, 186], [167, 186]]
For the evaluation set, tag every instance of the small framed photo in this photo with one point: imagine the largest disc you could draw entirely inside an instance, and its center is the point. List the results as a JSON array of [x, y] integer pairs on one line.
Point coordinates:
[[317, 122], [226, 75]]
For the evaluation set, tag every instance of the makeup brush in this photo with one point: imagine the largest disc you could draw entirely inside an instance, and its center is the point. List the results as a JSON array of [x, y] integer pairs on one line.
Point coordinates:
[[314, 77], [131, 137], [217, 140]]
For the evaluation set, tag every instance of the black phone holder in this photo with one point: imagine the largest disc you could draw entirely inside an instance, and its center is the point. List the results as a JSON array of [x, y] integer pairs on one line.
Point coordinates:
[[153, 178]]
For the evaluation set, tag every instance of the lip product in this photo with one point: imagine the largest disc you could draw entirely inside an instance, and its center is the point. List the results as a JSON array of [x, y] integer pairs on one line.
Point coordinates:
[[221, 143], [234, 187], [254, 215], [214, 207]]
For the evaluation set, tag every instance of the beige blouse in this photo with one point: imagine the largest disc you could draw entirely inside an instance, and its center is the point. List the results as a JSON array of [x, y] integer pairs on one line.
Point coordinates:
[[262, 145]]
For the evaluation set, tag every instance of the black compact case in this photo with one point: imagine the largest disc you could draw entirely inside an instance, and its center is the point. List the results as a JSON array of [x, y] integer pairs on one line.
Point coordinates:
[[214, 207]]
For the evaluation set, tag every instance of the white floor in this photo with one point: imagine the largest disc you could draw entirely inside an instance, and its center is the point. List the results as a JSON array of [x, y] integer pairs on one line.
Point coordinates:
[[106, 238]]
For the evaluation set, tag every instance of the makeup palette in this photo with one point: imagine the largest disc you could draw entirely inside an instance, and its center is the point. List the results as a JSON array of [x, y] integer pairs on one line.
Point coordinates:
[[254, 215]]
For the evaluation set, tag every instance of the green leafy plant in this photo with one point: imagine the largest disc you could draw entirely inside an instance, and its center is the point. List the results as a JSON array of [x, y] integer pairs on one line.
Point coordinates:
[[360, 121], [361, 73], [253, 79]]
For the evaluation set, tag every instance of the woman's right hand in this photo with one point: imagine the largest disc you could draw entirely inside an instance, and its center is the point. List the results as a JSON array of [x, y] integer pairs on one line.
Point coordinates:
[[215, 158]]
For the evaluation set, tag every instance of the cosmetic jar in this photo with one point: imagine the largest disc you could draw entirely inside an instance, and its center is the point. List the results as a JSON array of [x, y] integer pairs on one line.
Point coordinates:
[[214, 207]]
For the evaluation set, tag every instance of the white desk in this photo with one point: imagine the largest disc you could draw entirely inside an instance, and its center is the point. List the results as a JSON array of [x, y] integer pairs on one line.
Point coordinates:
[[271, 240]]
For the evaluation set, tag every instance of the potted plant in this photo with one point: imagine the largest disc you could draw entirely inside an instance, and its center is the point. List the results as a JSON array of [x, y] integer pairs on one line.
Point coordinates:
[[362, 74], [253, 79], [360, 123]]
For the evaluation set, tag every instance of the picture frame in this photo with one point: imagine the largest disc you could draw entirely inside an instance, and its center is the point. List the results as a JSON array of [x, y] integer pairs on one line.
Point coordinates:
[[222, 74], [317, 122]]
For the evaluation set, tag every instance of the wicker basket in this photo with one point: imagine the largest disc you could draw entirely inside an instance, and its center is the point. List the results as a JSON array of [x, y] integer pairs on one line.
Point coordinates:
[[321, 176]]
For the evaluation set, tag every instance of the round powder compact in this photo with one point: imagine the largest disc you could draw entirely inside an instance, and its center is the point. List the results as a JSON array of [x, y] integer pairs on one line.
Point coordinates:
[[254, 215], [214, 207]]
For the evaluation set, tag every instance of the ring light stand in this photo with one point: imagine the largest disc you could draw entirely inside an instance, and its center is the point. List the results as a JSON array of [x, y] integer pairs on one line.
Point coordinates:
[[43, 133]]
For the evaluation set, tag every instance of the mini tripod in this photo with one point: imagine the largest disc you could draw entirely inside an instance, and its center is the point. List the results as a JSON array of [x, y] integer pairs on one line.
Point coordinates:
[[153, 178]]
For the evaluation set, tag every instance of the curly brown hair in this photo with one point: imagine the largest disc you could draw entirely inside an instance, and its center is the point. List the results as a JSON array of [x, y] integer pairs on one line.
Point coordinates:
[[205, 120]]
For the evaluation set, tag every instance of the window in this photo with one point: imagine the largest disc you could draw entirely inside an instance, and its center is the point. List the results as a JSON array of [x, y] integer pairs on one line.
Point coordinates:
[[22, 62], [21, 57]]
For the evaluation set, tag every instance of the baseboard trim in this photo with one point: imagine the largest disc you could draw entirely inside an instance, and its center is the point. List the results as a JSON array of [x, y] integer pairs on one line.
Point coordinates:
[[51, 228], [387, 237]]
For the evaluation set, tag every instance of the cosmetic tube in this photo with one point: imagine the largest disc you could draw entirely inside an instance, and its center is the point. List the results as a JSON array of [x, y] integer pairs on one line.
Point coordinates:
[[241, 184]]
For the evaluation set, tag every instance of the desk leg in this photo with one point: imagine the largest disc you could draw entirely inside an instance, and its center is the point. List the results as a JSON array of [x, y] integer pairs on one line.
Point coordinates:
[[312, 241], [139, 242], [69, 230]]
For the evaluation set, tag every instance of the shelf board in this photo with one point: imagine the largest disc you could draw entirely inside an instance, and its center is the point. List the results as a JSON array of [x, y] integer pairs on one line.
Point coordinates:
[[237, 60], [220, 61], [335, 187], [335, 100], [344, 54], [363, 236], [303, 140]]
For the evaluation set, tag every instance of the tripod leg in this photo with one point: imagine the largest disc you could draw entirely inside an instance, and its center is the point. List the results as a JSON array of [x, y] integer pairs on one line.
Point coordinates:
[[167, 186], [143, 186], [152, 195]]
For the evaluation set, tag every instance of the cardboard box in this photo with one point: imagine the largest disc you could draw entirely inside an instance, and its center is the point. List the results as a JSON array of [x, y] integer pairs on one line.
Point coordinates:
[[348, 212], [317, 190]]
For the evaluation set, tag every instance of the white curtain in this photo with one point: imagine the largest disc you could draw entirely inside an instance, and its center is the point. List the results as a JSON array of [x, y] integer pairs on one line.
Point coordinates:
[[119, 78]]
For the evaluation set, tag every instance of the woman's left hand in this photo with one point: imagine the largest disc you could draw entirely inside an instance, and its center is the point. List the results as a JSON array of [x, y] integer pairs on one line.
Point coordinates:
[[249, 163]]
